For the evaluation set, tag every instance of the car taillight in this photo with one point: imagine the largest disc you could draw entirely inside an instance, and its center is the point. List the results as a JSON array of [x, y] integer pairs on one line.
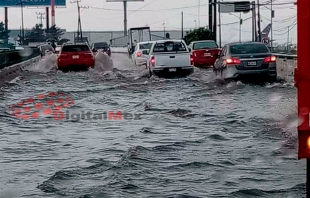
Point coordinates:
[[232, 61], [191, 59], [270, 59], [153, 61], [139, 54]]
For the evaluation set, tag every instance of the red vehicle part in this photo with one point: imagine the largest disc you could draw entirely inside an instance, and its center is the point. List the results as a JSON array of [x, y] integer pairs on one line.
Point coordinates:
[[302, 78]]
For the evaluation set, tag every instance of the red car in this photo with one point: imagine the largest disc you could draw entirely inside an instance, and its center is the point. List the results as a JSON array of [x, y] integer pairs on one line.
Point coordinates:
[[75, 57], [204, 53]]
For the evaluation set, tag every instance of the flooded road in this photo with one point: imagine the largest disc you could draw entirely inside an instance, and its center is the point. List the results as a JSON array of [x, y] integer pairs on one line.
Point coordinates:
[[194, 137]]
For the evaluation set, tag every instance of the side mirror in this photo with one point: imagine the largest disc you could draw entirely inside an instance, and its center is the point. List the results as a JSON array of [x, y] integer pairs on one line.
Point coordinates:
[[94, 50], [145, 52], [189, 49]]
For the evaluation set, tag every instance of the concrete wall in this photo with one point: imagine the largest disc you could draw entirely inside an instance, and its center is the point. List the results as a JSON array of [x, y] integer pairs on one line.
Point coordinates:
[[9, 73]]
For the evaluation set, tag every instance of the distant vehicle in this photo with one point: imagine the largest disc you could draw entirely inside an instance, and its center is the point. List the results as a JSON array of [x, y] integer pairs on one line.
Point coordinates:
[[57, 49], [204, 53], [137, 35], [245, 58], [169, 58], [101, 46], [75, 57], [45, 49], [141, 52]]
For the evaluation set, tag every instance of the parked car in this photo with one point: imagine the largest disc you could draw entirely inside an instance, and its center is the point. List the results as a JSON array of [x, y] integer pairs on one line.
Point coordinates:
[[101, 46], [204, 53], [141, 51], [169, 58], [245, 58], [75, 57]]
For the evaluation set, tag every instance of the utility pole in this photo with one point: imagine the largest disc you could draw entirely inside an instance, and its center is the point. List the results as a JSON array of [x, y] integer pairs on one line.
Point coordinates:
[[40, 17], [195, 24], [210, 16], [182, 25], [164, 29], [79, 31], [240, 24], [215, 20], [125, 17], [220, 27], [21, 3], [258, 22], [254, 29], [271, 21], [198, 13], [288, 38]]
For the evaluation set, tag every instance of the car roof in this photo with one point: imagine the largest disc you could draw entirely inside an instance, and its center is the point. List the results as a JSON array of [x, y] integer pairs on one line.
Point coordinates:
[[203, 41], [146, 42], [246, 42], [72, 44], [101, 43], [167, 40]]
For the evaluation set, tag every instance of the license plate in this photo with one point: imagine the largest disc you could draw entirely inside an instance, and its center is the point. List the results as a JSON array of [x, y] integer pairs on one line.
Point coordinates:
[[75, 57], [252, 63], [207, 54], [172, 69]]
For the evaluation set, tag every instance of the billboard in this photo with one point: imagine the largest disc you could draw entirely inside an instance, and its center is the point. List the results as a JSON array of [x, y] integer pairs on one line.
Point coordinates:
[[124, 0], [31, 3]]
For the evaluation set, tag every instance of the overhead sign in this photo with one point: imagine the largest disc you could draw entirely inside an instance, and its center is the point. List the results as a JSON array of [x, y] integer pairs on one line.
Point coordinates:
[[31, 3], [242, 6], [124, 0], [228, 7], [266, 41]]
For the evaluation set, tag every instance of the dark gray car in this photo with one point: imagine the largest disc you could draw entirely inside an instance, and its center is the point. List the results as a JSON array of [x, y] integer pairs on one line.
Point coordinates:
[[245, 58]]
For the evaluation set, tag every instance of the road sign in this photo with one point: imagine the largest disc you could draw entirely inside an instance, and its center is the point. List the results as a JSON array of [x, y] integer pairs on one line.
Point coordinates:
[[228, 7], [124, 0], [31, 3], [266, 41]]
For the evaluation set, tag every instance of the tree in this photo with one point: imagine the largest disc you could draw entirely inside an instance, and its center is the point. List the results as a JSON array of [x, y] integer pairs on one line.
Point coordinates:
[[4, 34], [36, 34], [54, 32], [198, 34]]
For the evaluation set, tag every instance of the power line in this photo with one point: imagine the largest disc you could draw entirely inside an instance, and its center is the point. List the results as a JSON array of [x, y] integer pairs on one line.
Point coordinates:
[[292, 26]]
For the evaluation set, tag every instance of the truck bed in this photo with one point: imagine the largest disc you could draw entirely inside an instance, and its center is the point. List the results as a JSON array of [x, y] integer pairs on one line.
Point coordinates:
[[172, 59]]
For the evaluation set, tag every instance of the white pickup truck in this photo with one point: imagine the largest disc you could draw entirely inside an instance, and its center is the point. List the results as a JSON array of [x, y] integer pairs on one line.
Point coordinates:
[[169, 57]]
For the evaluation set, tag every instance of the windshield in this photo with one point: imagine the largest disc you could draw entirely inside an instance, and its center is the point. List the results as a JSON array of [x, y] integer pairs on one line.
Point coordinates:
[[145, 46], [101, 45], [248, 49], [205, 45], [75, 48], [170, 47]]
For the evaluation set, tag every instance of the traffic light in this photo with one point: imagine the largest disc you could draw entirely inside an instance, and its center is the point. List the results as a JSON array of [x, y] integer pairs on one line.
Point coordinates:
[[303, 144]]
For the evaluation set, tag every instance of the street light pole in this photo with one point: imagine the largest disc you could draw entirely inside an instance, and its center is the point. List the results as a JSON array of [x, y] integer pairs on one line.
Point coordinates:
[[21, 3], [240, 24]]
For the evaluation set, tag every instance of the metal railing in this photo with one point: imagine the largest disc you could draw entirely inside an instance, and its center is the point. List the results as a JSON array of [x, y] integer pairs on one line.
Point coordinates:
[[11, 57]]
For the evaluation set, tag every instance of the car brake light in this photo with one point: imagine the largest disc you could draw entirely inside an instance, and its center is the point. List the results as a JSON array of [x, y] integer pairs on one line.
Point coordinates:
[[191, 58], [232, 61], [153, 61], [139, 54], [270, 59]]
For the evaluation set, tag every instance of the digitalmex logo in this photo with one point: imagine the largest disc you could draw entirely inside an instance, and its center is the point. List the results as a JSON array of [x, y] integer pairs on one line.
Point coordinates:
[[42, 105]]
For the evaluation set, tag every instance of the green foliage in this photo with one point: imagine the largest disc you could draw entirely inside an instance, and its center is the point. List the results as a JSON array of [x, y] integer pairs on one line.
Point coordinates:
[[198, 34], [54, 32], [37, 34], [4, 35]]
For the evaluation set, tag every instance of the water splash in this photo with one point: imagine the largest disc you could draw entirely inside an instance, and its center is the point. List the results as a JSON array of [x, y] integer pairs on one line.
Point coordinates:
[[103, 63], [46, 64]]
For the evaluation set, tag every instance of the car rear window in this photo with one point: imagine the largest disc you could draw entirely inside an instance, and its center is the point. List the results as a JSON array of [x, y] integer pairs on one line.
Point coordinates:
[[75, 48], [145, 46], [170, 47], [205, 45], [248, 49], [101, 45]]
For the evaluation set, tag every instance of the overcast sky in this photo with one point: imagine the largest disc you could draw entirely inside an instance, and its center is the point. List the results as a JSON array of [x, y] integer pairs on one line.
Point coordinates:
[[102, 15]]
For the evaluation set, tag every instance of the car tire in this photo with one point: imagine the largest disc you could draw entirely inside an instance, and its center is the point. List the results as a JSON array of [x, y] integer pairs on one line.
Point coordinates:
[[150, 73]]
